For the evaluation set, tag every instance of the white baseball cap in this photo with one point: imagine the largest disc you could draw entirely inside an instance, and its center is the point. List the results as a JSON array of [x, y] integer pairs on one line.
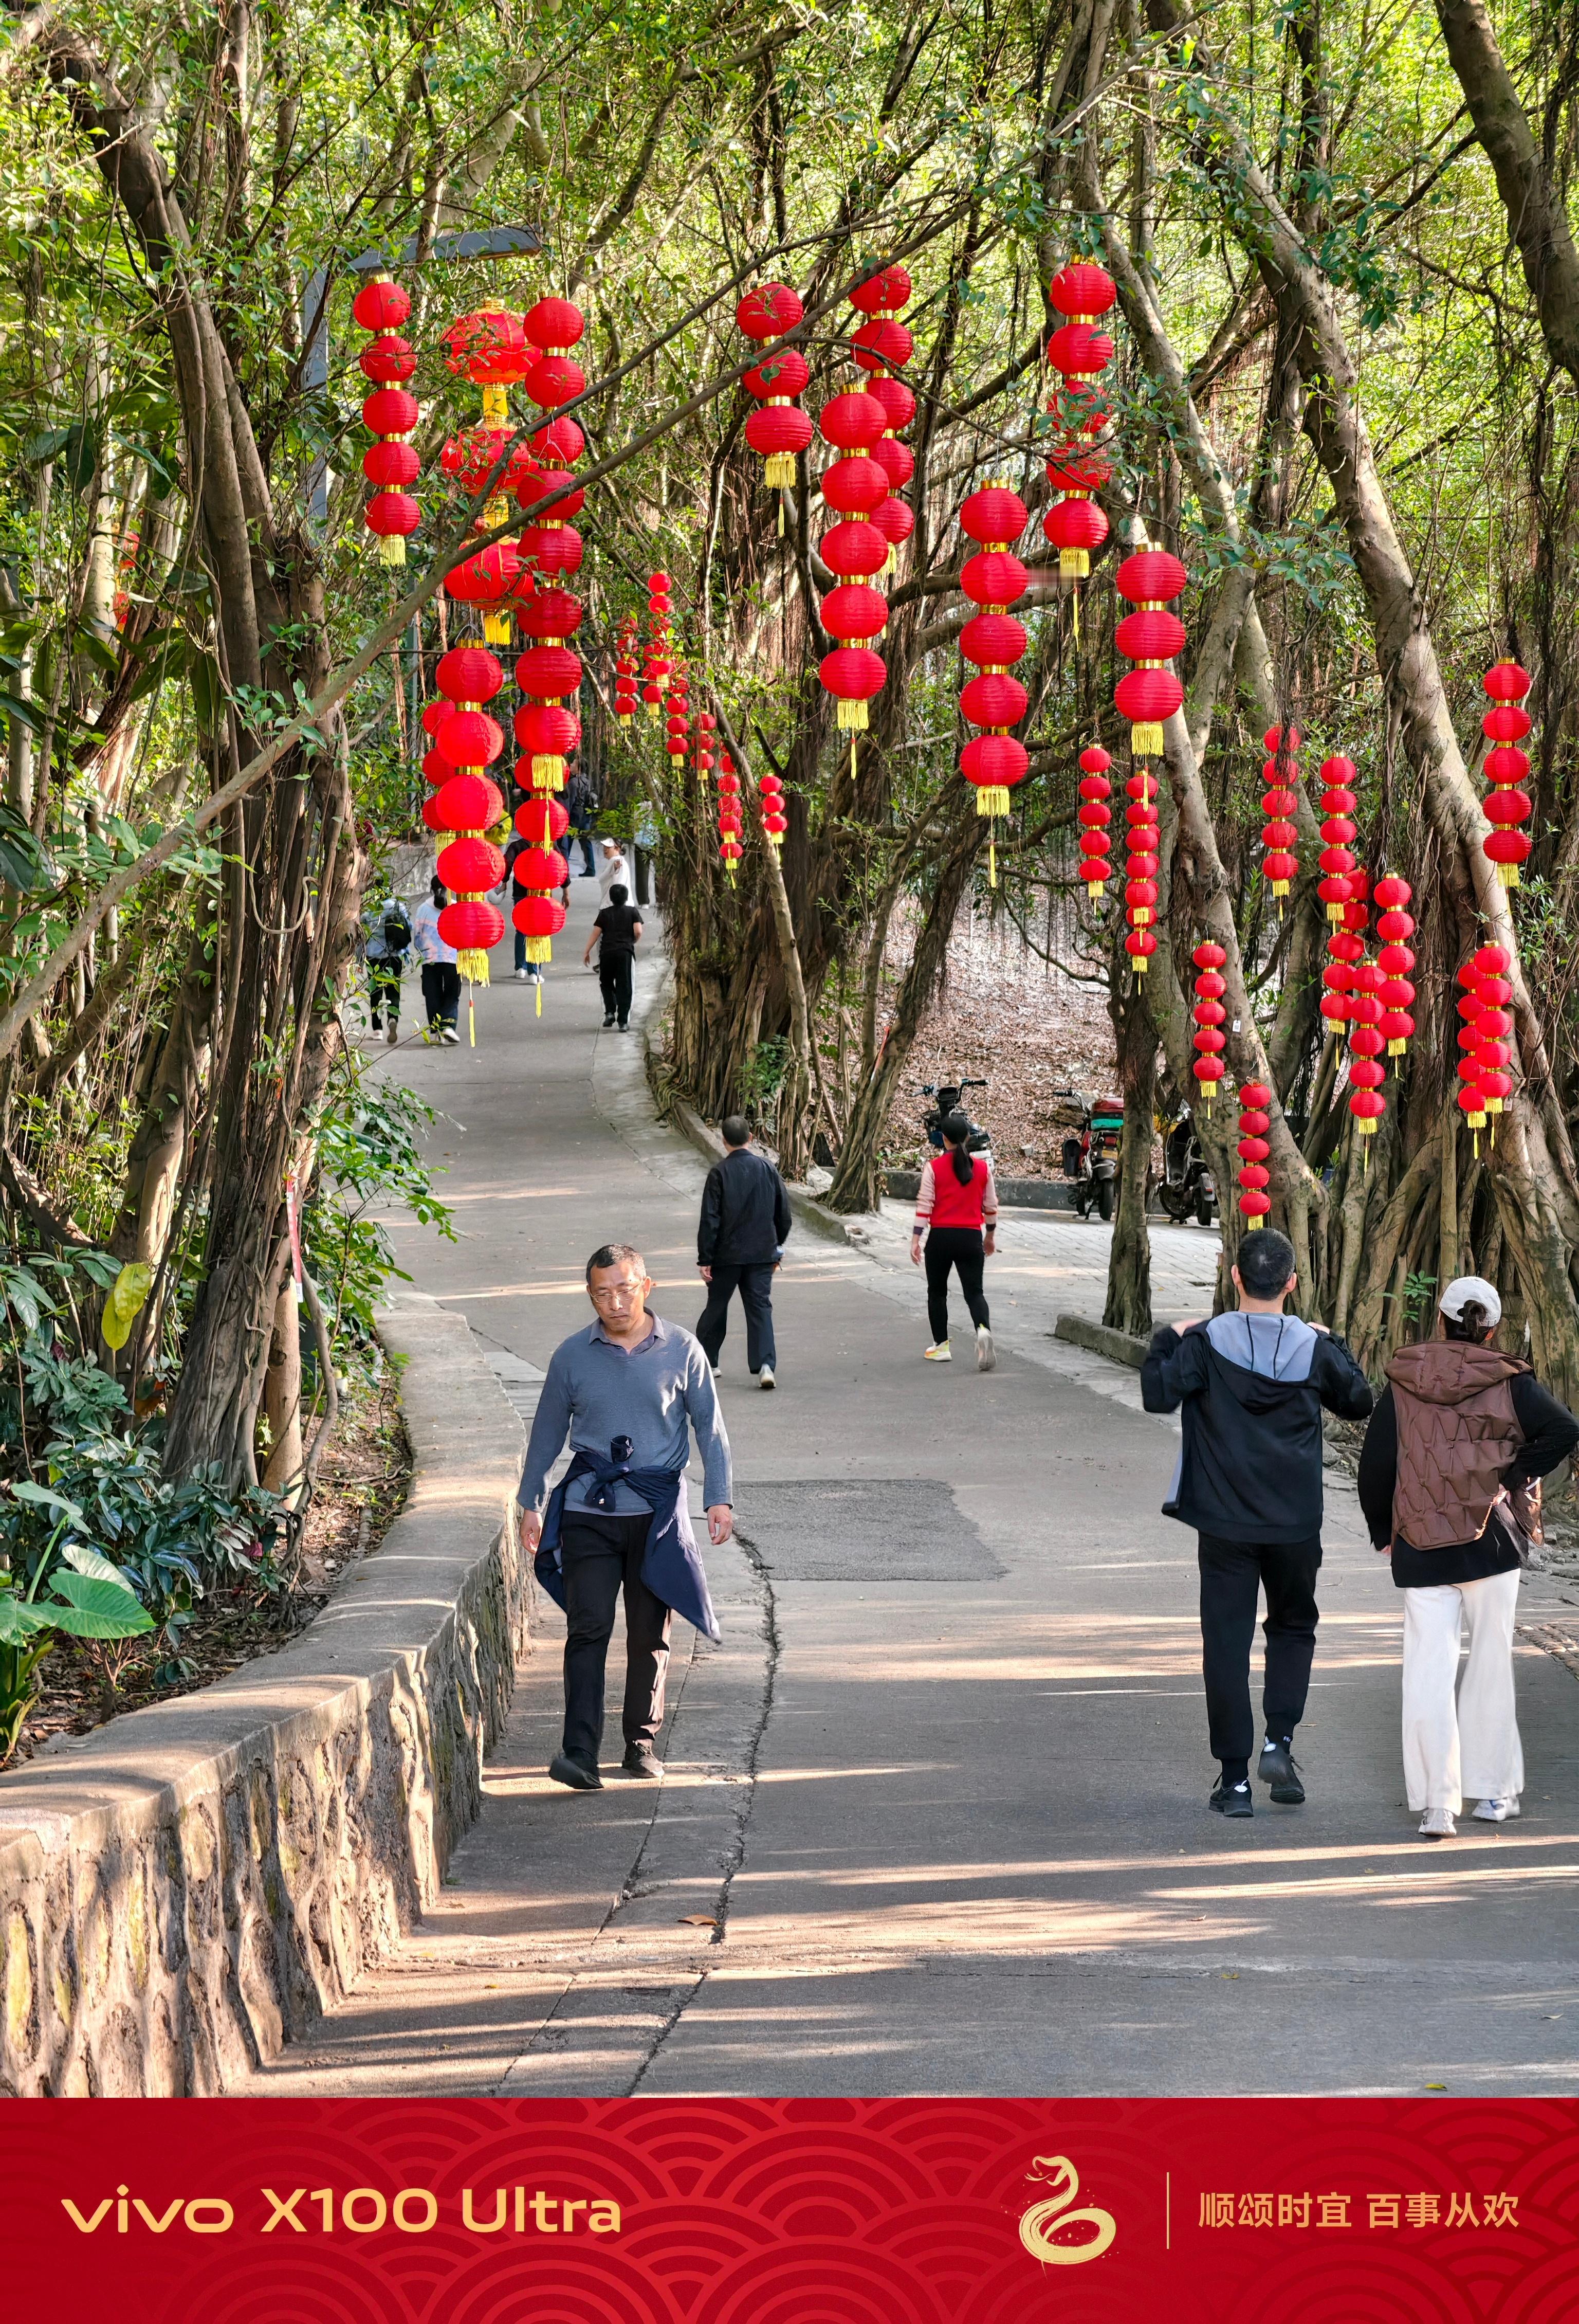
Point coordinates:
[[1467, 1290]]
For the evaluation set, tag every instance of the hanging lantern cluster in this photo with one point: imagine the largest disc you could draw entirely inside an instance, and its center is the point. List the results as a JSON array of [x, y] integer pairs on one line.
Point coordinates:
[[775, 822], [466, 803], [625, 694], [1508, 802], [731, 822], [390, 413], [1280, 833], [1365, 1012], [882, 346], [1394, 925], [677, 718], [703, 727], [1096, 815], [1150, 637], [490, 348], [1140, 889], [1486, 1037], [779, 432], [1337, 832], [1074, 524], [993, 762], [656, 663], [1210, 1015], [550, 545], [1255, 1120], [854, 612]]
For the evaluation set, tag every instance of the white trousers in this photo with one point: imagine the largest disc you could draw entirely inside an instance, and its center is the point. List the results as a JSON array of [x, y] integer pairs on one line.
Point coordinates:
[[1470, 1746]]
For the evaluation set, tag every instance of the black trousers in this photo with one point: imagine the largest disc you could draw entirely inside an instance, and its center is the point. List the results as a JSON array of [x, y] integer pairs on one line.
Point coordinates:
[[441, 989], [755, 1286], [583, 837], [383, 990], [614, 974], [1230, 1574], [959, 1248], [599, 1557]]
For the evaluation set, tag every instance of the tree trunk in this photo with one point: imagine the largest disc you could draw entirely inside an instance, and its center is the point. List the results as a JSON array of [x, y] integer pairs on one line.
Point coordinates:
[[282, 1391], [1129, 1258]]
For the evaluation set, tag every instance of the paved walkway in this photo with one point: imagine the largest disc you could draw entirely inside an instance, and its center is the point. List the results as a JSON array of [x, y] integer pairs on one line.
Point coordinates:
[[936, 1813]]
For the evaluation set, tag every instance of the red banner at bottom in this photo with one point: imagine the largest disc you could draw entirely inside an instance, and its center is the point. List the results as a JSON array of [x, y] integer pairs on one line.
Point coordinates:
[[793, 2211]]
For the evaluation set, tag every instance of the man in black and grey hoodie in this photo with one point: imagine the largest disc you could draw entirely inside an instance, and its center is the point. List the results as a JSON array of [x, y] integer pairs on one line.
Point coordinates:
[[1251, 1384]]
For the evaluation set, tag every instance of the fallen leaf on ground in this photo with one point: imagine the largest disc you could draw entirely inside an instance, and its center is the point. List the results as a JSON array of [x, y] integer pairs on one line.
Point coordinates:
[[698, 1920]]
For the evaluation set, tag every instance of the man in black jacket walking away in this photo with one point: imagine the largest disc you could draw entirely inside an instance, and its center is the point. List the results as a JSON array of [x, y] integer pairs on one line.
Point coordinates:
[[740, 1237], [1252, 1385]]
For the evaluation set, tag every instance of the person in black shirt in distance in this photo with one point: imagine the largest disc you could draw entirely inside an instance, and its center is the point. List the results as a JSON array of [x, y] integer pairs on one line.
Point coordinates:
[[616, 932]]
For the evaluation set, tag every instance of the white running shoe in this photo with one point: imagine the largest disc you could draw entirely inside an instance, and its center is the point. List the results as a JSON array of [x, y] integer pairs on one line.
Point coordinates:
[[939, 1352], [985, 1358], [449, 1033], [523, 976], [1496, 1811], [1438, 1823], [765, 1376]]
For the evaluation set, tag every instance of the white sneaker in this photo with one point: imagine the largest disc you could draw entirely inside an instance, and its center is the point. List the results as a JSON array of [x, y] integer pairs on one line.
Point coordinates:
[[939, 1352], [985, 1358], [1496, 1811], [523, 976], [1438, 1823], [448, 1033], [765, 1376]]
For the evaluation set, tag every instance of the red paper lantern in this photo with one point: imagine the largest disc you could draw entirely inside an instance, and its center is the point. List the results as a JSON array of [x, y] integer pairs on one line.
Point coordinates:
[[769, 311], [1279, 864], [855, 551], [470, 864], [855, 487], [883, 293], [1075, 525], [1254, 1121], [855, 610], [538, 917], [1095, 816], [1140, 893], [853, 421], [381, 305], [468, 738], [882, 345], [387, 359], [853, 674], [393, 517], [469, 802], [1337, 828], [542, 820]]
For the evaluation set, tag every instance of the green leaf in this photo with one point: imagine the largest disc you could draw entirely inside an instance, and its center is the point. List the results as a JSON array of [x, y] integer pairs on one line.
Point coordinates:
[[27, 1491], [18, 1622], [97, 1567], [95, 1609]]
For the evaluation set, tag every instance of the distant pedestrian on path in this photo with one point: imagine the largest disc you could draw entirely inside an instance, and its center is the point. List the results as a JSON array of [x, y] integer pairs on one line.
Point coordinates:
[[616, 932], [1252, 1385], [441, 979], [1449, 1485], [625, 1390], [580, 805], [387, 939], [956, 1210], [612, 869], [740, 1236]]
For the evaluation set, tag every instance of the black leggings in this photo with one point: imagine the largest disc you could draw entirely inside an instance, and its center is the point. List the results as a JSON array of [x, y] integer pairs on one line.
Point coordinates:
[[959, 1248]]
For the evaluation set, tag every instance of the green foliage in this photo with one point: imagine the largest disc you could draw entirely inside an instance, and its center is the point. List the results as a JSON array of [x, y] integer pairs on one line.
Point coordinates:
[[88, 1599], [369, 1157]]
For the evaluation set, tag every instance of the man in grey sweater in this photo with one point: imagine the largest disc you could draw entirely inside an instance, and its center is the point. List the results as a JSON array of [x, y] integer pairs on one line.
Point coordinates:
[[626, 1391]]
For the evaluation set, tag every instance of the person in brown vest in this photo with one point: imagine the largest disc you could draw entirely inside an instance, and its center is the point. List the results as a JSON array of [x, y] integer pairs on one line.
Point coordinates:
[[1449, 1485]]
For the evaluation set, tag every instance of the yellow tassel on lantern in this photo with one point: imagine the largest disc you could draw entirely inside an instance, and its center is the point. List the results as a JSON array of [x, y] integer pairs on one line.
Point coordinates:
[[495, 406], [496, 629], [539, 948], [547, 770], [1280, 890], [1396, 1048], [1145, 741], [1138, 962], [1074, 564], [473, 966], [393, 548], [992, 799], [780, 470], [1094, 889], [852, 714], [1508, 874]]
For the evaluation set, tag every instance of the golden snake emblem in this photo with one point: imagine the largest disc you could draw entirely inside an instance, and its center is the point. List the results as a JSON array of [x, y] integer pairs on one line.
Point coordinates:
[[1038, 2224]]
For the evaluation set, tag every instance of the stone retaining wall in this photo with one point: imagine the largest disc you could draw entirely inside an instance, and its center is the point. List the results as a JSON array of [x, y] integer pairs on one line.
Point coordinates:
[[189, 1887]]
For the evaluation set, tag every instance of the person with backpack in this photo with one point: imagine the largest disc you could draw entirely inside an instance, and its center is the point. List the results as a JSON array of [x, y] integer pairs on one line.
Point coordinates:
[[387, 942], [1253, 1383], [957, 1211], [1450, 1485], [441, 977], [580, 803]]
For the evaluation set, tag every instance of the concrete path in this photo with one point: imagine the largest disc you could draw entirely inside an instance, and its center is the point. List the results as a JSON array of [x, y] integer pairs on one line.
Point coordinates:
[[936, 1813]]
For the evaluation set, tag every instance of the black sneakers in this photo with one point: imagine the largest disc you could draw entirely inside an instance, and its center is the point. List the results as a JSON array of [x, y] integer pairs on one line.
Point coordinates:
[[573, 1774], [641, 1759], [1278, 1767], [1232, 1800]]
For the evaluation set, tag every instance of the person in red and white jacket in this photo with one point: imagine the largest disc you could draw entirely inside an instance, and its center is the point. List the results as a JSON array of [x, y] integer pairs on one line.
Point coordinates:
[[957, 1211]]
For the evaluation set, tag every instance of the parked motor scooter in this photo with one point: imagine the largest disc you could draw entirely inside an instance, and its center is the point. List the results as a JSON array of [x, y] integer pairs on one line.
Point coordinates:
[[1090, 1153], [1188, 1188], [948, 1095]]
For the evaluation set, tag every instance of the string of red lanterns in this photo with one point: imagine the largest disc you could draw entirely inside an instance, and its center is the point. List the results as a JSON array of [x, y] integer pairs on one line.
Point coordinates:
[[1280, 834], [778, 432], [1507, 805], [1394, 925], [1255, 1120], [677, 718], [1209, 1039], [1491, 1031], [881, 346], [1337, 830], [770, 798], [993, 762], [466, 803], [656, 663], [626, 698], [489, 348], [703, 727], [1075, 525], [731, 822], [1146, 696], [854, 612], [1365, 1012], [1095, 816], [390, 413]]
